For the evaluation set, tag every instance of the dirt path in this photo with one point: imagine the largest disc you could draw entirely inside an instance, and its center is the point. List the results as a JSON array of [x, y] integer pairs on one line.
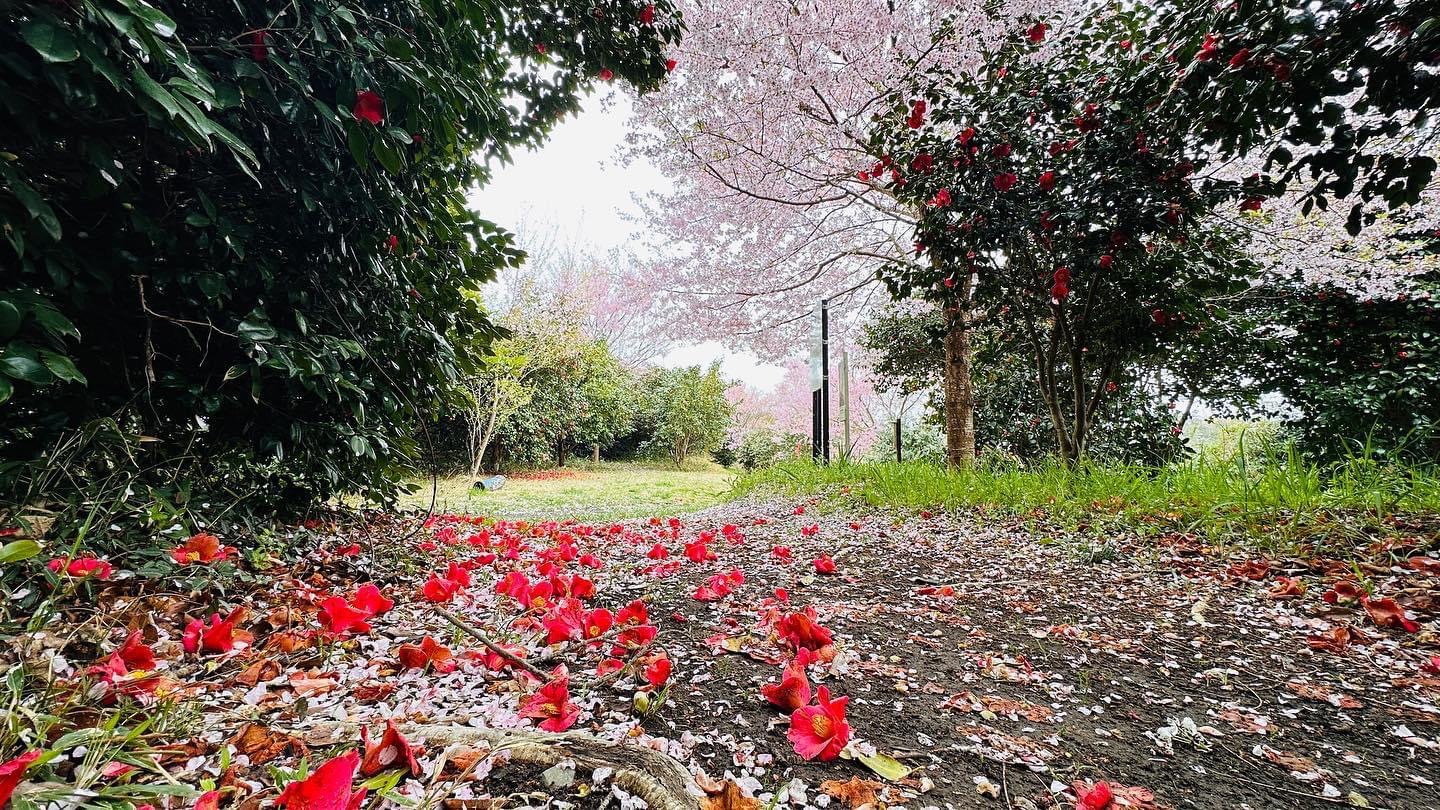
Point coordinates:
[[1004, 667]]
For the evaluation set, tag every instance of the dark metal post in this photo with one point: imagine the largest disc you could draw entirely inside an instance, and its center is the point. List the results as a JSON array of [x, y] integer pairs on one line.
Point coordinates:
[[897, 441], [825, 380]]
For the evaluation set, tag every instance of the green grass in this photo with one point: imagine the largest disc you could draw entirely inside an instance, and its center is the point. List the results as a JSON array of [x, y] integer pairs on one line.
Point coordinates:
[[588, 491], [1272, 498]]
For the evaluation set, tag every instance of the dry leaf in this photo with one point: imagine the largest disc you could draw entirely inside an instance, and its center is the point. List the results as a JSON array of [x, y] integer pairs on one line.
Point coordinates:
[[856, 793]]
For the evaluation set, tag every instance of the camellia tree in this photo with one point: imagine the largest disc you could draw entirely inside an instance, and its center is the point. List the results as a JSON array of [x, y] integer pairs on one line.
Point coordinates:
[[1063, 213], [762, 127], [241, 233]]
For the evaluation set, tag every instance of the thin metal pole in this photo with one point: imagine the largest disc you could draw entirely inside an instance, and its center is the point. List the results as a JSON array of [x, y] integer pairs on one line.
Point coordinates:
[[897, 441], [825, 380]]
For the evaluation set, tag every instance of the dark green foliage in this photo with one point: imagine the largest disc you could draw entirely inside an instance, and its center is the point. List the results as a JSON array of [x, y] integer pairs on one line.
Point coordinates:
[[205, 243], [1359, 372]]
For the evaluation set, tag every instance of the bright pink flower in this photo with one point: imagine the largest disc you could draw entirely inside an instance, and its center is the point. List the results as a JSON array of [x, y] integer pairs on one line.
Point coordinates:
[[202, 549], [552, 702], [393, 749], [820, 731], [781, 552], [328, 788], [340, 617], [459, 575], [369, 107]]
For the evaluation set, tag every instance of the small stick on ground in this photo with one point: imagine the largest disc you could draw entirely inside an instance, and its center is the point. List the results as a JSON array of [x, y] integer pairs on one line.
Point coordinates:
[[496, 648]]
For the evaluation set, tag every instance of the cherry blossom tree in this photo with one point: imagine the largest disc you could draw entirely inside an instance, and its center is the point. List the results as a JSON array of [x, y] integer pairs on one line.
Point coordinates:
[[763, 128]]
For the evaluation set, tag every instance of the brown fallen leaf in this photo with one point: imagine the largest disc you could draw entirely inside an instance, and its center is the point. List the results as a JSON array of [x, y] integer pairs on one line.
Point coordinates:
[[729, 797], [1323, 694], [263, 744], [262, 670], [855, 793]]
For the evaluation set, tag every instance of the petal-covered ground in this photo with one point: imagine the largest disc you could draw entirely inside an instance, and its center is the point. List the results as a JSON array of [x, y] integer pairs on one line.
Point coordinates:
[[792, 658]]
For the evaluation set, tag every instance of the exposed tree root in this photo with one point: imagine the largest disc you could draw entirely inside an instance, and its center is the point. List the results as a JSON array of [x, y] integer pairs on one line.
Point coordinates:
[[659, 779]]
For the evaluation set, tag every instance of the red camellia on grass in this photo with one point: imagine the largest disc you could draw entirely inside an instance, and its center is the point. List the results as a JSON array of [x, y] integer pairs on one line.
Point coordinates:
[[13, 771], [820, 731], [551, 705], [330, 787], [136, 653], [439, 589], [219, 635], [392, 749], [340, 617], [82, 567], [201, 549]]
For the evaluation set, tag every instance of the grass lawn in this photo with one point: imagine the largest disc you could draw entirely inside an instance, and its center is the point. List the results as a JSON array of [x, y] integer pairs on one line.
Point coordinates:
[[593, 492]]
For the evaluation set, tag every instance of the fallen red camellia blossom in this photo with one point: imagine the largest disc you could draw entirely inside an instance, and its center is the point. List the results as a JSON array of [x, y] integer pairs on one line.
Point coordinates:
[[340, 617], [793, 690], [1344, 591], [437, 589], [820, 731], [657, 672], [81, 567], [824, 565], [369, 599], [328, 788], [201, 549], [219, 635], [1387, 613], [802, 630], [393, 749], [428, 652], [1286, 588], [13, 771], [1337, 640], [1094, 797], [136, 653], [552, 702]]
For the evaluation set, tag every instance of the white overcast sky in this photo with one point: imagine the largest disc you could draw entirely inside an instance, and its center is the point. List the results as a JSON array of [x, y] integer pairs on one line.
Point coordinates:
[[575, 183]]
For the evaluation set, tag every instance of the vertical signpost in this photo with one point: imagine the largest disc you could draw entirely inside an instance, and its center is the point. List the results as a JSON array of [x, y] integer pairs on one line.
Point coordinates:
[[845, 404], [820, 384]]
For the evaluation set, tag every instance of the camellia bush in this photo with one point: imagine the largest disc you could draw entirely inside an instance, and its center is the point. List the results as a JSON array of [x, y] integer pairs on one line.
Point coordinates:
[[236, 235]]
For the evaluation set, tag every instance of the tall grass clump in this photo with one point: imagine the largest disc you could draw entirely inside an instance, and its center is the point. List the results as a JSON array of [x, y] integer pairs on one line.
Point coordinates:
[[1265, 492]]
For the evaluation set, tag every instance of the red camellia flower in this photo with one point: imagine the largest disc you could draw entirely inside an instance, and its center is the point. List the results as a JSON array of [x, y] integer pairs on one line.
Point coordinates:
[[428, 653], [698, 551], [1093, 797], [824, 565], [781, 552], [793, 690], [82, 567], [202, 549], [393, 749], [941, 198], [1252, 203], [633, 613], [439, 589], [1106, 261], [1286, 588], [820, 731], [1047, 181], [13, 771], [259, 49], [1388, 613], [217, 636], [633, 638], [1343, 592], [1037, 32], [1001, 151], [328, 788], [647, 15], [657, 672], [391, 243], [339, 617], [802, 630], [1240, 58], [459, 575], [552, 703], [658, 552], [670, 65], [917, 114], [369, 599], [369, 107], [606, 74], [1208, 48], [136, 654], [1005, 181]]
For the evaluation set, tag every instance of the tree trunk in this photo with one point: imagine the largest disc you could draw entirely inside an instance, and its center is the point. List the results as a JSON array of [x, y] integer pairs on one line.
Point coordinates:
[[959, 395], [595, 453]]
